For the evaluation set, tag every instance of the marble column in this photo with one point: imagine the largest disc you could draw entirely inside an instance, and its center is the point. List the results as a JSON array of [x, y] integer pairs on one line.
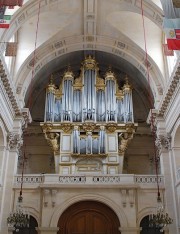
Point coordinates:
[[163, 144], [10, 168]]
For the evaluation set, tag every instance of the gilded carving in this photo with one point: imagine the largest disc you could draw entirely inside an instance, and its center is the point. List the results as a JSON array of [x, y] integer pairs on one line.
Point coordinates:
[[59, 92], [127, 87], [47, 127], [89, 127], [78, 83], [66, 127], [109, 75], [119, 93], [100, 85], [111, 127], [123, 142], [53, 140], [89, 63], [51, 87], [68, 75]]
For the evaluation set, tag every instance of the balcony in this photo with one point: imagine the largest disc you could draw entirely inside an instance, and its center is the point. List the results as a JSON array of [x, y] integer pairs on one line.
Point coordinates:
[[85, 181]]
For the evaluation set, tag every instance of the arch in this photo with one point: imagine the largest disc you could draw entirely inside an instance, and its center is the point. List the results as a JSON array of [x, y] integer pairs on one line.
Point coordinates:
[[93, 197], [176, 134], [30, 9], [31, 229], [33, 212], [143, 213], [122, 48], [146, 228], [135, 57], [98, 215]]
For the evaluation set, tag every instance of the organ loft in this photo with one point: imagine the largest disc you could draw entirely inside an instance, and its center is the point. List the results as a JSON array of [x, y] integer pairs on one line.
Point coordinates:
[[89, 121]]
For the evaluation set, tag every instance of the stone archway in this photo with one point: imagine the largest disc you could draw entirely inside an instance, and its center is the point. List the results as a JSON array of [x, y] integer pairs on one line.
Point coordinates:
[[88, 217]]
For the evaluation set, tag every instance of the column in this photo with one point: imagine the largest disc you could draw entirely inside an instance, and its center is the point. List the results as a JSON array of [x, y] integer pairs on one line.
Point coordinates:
[[12, 153], [163, 144]]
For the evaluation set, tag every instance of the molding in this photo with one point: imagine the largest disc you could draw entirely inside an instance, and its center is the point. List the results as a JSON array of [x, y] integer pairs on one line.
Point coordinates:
[[9, 89], [170, 92]]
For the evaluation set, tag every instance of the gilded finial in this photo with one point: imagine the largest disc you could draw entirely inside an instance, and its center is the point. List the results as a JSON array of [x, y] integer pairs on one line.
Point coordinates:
[[51, 87], [68, 74], [89, 63], [127, 87], [109, 74]]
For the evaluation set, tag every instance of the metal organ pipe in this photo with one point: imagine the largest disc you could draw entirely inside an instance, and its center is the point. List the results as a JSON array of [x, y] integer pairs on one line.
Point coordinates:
[[68, 96], [89, 98], [50, 97], [110, 96], [128, 105]]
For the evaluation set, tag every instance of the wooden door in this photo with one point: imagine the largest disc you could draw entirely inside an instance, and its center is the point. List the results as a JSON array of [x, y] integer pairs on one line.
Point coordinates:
[[89, 217]]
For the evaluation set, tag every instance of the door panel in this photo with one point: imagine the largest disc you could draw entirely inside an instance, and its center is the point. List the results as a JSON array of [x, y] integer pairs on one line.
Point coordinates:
[[89, 217]]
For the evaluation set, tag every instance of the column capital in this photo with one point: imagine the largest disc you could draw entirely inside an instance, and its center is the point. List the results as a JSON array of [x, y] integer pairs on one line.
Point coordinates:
[[163, 142], [15, 141]]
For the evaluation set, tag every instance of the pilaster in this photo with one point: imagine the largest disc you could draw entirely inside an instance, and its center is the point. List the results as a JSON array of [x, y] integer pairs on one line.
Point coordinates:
[[14, 143], [163, 144]]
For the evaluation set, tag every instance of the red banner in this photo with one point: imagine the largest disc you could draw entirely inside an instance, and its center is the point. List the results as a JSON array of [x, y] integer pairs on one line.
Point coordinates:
[[11, 2]]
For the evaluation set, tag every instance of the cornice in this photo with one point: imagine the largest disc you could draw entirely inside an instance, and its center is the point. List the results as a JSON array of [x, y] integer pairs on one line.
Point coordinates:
[[9, 90], [170, 92]]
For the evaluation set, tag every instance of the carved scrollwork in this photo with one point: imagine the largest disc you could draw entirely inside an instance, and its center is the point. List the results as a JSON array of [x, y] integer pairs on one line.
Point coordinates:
[[111, 127], [67, 127], [47, 127], [163, 143], [15, 141], [89, 127]]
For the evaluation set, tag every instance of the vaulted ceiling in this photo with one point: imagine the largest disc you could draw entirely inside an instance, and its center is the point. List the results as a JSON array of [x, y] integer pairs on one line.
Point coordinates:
[[54, 33]]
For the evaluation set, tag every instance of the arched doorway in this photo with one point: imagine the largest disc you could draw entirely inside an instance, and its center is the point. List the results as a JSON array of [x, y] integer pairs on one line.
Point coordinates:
[[147, 229], [88, 217]]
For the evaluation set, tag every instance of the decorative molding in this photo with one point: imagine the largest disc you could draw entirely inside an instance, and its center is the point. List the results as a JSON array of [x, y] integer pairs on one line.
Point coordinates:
[[9, 90], [46, 193], [170, 92]]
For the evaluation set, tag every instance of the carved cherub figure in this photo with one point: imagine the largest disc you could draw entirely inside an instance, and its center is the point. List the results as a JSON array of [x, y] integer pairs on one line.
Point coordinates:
[[123, 143], [53, 139]]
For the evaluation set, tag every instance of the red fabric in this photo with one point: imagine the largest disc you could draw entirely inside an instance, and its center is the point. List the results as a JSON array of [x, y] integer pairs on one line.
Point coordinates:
[[173, 44], [177, 31], [11, 2], [4, 25]]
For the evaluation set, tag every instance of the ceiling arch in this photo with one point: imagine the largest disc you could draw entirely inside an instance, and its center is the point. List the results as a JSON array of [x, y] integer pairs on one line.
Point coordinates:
[[52, 50]]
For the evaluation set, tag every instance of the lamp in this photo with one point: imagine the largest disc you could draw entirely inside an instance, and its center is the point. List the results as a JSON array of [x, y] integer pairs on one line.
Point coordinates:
[[161, 219], [19, 218]]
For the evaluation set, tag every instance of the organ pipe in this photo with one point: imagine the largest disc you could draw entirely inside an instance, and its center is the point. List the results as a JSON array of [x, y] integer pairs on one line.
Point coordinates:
[[89, 97]]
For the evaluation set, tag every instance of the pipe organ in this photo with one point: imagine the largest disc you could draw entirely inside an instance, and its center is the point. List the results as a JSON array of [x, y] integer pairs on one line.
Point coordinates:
[[92, 117]]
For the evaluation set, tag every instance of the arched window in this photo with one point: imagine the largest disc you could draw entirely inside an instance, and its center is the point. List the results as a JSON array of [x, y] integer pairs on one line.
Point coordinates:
[[147, 229], [28, 230]]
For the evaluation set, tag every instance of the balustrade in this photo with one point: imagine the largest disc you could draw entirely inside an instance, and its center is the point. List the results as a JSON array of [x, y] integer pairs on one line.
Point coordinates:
[[119, 179]]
